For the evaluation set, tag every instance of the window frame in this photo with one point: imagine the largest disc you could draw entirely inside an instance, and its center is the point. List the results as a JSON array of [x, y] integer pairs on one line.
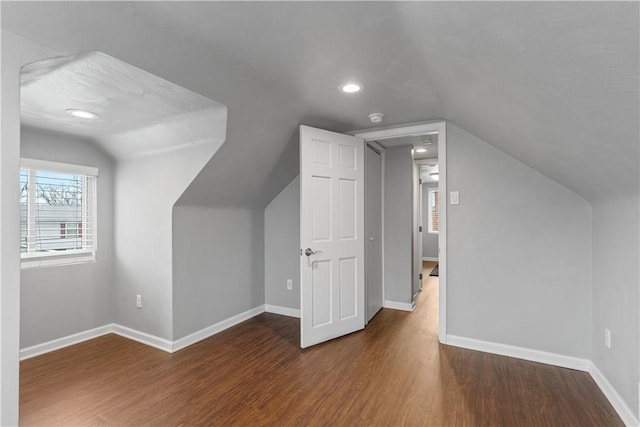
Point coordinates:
[[89, 214]]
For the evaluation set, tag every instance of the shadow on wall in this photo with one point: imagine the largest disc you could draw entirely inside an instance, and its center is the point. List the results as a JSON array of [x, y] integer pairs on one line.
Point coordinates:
[[285, 171], [219, 251]]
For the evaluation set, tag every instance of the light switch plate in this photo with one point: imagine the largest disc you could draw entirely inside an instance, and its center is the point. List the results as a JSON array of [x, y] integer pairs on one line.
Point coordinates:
[[454, 198]]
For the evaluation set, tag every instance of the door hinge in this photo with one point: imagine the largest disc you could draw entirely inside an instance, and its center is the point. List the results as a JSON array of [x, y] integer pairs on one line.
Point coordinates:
[[420, 228], [420, 181], [420, 276]]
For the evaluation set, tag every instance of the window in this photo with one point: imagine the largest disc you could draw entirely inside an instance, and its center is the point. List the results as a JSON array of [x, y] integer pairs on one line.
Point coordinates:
[[57, 213], [434, 199]]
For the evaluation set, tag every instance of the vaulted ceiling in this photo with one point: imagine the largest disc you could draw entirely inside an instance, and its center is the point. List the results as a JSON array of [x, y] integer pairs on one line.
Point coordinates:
[[555, 85], [124, 101]]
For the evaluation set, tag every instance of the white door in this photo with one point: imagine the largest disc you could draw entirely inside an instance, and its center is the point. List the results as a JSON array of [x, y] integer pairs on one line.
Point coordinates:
[[331, 235], [373, 225]]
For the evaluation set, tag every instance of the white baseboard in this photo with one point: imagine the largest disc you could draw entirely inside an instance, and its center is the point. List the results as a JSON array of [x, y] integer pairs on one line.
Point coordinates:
[[429, 258], [284, 311], [142, 337], [614, 398], [215, 328], [46, 347], [520, 353], [404, 306], [556, 360]]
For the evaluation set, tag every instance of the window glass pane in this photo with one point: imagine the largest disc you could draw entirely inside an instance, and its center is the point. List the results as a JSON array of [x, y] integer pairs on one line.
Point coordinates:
[[72, 230], [434, 212], [58, 199], [57, 214]]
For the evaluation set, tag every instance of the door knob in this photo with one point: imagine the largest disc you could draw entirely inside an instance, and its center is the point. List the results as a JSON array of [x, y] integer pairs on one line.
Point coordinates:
[[309, 252]]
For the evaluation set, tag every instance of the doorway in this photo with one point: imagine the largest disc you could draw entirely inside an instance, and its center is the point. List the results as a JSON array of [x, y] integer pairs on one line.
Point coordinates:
[[334, 298], [395, 137], [429, 223]]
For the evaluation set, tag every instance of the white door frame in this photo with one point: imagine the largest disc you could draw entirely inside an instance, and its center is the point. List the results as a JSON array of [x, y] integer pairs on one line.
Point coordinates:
[[439, 127], [421, 224]]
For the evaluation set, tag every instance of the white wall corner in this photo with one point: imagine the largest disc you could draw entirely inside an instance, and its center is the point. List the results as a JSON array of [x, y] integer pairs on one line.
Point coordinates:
[[215, 328], [284, 311], [142, 337], [395, 305], [629, 419]]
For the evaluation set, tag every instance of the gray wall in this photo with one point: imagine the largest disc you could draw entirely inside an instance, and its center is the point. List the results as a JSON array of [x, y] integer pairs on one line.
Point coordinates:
[[616, 293], [282, 246], [519, 253], [398, 224], [63, 300], [429, 240], [218, 265], [146, 190]]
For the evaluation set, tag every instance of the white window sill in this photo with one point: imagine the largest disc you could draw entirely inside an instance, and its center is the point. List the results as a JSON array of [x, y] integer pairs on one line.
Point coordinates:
[[52, 259]]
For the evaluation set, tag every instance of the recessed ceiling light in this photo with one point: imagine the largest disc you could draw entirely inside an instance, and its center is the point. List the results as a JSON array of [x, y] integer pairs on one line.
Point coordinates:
[[421, 150], [351, 87], [83, 114]]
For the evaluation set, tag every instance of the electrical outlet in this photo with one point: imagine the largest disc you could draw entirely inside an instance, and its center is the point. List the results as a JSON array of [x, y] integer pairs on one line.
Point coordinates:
[[607, 338], [139, 301], [289, 284]]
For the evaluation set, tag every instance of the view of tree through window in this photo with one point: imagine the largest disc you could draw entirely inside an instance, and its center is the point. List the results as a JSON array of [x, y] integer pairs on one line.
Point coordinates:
[[56, 199], [56, 212]]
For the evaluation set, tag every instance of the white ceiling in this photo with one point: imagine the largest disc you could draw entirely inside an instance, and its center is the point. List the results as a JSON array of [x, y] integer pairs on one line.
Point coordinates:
[[427, 142], [554, 84], [127, 100]]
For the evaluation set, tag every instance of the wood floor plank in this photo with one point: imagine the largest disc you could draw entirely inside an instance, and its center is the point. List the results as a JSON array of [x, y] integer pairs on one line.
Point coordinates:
[[394, 372]]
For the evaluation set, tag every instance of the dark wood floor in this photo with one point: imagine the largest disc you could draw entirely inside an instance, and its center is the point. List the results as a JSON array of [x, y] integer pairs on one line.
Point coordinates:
[[393, 373]]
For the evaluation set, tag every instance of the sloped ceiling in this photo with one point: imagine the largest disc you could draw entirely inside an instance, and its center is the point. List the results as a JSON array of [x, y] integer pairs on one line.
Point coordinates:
[[129, 101], [555, 85]]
